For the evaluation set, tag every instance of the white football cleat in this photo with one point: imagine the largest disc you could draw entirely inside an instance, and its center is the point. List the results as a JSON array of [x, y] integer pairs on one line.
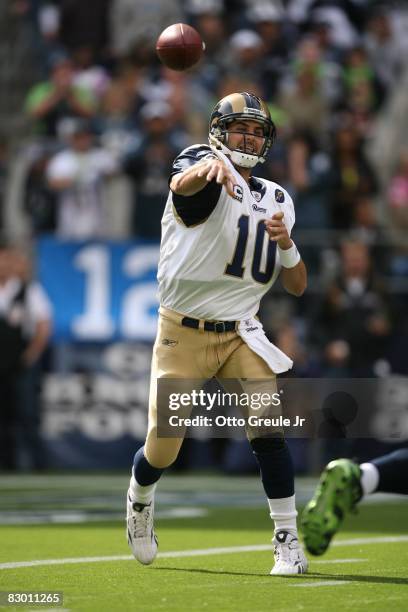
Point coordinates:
[[140, 531], [289, 556]]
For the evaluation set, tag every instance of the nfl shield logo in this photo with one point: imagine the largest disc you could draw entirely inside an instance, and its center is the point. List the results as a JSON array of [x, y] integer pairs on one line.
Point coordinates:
[[279, 195]]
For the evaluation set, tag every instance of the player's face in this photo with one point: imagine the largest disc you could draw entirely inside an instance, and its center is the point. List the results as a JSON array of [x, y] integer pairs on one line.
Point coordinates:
[[246, 136]]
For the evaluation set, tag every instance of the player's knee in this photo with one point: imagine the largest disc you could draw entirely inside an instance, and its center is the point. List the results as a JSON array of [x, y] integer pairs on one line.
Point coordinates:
[[159, 463], [161, 453], [267, 445], [159, 459]]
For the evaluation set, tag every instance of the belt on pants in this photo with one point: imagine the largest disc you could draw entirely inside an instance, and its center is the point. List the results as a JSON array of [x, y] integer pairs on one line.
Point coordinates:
[[219, 327]]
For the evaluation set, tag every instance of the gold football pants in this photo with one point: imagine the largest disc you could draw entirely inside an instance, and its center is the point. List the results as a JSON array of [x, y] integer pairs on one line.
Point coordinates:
[[187, 354]]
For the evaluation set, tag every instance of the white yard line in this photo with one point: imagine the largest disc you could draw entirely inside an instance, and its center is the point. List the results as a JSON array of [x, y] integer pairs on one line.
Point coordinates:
[[320, 583], [374, 540], [335, 561], [200, 552]]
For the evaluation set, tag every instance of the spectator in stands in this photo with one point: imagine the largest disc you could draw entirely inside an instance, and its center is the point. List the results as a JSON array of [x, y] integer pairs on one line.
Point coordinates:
[[77, 175], [398, 192], [329, 51], [303, 101], [352, 175], [124, 96], [362, 90], [85, 24], [3, 178], [311, 55], [207, 18], [397, 197], [39, 315], [148, 163], [366, 228], [267, 19], [136, 21], [39, 200], [386, 49], [25, 327], [309, 172], [353, 326], [89, 74], [343, 29], [50, 101], [115, 122], [246, 55], [46, 18]]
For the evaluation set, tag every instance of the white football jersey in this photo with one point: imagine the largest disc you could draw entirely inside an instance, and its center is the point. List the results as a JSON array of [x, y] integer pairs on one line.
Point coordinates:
[[220, 268]]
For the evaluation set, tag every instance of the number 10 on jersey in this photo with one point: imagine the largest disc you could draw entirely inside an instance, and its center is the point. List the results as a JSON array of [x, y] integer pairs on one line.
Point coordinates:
[[236, 267]]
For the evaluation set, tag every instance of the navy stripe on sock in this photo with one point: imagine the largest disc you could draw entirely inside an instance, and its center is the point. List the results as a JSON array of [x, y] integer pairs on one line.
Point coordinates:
[[276, 466], [393, 471], [144, 473]]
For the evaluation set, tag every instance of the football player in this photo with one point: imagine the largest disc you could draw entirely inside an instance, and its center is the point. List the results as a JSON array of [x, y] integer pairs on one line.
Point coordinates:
[[225, 240], [342, 485]]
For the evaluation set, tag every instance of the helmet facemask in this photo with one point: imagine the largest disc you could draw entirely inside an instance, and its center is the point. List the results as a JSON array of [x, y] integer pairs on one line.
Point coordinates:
[[241, 107], [219, 137]]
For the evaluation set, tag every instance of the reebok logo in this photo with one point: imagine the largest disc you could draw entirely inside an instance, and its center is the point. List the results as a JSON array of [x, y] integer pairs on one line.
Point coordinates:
[[167, 342]]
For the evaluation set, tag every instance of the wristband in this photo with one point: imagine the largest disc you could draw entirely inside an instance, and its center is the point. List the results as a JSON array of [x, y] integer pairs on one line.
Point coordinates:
[[289, 258]]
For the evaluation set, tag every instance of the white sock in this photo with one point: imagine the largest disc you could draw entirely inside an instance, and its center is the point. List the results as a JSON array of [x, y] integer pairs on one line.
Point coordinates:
[[138, 493], [283, 513], [369, 478]]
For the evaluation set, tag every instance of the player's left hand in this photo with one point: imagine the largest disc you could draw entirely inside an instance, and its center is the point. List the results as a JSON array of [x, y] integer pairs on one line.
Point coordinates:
[[277, 231]]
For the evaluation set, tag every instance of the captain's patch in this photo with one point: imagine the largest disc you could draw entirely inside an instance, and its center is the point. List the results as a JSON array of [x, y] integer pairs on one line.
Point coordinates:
[[279, 195]]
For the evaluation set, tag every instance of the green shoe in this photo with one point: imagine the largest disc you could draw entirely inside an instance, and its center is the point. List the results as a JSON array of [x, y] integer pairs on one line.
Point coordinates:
[[339, 491]]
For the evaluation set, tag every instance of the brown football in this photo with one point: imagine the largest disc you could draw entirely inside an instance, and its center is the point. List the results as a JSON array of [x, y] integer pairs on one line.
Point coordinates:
[[179, 46]]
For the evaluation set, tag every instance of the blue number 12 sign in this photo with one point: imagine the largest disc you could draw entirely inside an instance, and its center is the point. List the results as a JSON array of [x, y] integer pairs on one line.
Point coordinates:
[[100, 291]]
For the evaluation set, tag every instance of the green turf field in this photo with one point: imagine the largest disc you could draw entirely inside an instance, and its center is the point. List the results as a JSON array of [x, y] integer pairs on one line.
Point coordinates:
[[366, 569]]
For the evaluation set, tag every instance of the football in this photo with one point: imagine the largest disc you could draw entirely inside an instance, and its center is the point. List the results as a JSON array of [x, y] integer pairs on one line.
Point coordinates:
[[179, 46]]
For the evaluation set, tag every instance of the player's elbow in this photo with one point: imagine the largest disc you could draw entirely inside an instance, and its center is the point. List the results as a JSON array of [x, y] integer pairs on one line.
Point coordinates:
[[296, 291], [302, 286], [299, 291], [174, 184], [295, 279], [296, 288]]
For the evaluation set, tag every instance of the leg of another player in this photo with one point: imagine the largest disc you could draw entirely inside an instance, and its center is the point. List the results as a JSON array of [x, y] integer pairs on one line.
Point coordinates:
[[342, 485], [387, 474]]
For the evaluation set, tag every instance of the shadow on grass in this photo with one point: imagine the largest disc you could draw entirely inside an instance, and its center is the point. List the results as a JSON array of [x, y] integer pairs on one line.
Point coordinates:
[[196, 570], [310, 576]]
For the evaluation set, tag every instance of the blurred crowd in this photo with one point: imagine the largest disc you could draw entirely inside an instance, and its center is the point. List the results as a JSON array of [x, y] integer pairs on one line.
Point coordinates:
[[105, 120]]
